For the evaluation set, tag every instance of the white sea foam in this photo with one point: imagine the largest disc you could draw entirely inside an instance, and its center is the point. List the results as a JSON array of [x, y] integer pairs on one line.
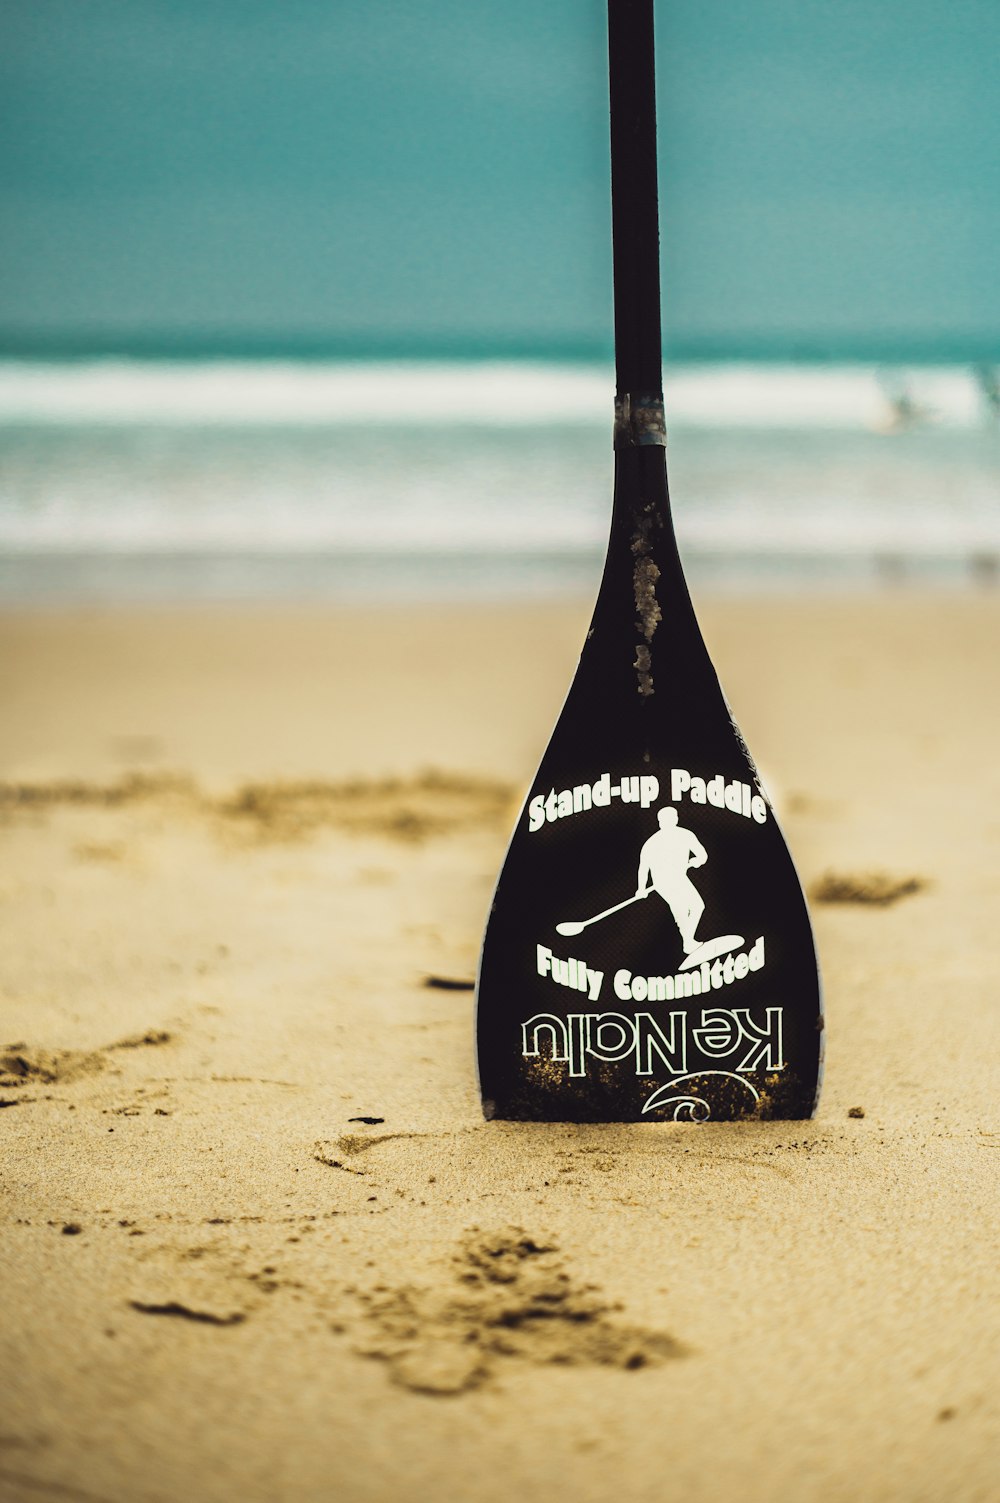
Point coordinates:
[[279, 393], [285, 479]]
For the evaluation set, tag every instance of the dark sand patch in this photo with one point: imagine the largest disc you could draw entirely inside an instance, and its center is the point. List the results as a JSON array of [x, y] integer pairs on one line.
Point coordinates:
[[450, 983], [187, 1312], [152, 1038], [434, 803], [20, 1063], [508, 1297], [358, 1142], [323, 1157], [877, 889], [131, 788], [409, 809]]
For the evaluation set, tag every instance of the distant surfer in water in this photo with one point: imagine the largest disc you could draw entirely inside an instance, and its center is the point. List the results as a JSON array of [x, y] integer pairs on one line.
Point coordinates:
[[663, 868]]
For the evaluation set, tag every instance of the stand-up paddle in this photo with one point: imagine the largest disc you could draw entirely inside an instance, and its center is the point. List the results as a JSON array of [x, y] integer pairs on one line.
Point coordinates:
[[661, 1010]]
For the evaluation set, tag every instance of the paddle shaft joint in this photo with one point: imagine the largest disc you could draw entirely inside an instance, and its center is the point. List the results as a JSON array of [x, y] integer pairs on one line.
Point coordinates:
[[639, 420]]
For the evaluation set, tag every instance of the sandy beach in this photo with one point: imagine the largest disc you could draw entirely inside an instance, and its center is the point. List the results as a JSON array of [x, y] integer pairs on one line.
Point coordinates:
[[256, 1241]]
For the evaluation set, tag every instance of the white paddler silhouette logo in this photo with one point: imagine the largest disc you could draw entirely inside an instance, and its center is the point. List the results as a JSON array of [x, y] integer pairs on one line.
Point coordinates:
[[664, 863], [663, 867]]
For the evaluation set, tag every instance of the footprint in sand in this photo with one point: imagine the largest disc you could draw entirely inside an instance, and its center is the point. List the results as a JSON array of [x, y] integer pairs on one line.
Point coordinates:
[[506, 1296]]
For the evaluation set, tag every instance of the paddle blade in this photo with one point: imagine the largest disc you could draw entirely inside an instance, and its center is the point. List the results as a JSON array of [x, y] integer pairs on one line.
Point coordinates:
[[702, 1001]]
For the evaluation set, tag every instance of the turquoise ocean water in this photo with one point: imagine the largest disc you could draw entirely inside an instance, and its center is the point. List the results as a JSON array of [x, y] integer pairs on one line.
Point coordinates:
[[125, 481]]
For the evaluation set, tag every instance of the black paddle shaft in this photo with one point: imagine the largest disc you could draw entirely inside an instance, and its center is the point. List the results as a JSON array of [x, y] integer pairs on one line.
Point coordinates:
[[635, 224]]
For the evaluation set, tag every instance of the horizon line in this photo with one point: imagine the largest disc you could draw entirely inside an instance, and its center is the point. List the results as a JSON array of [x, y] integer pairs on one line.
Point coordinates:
[[197, 345]]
